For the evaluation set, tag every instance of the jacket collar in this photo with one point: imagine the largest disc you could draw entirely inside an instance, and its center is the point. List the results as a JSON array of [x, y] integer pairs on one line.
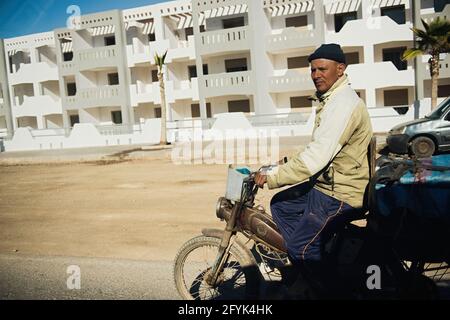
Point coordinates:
[[340, 83]]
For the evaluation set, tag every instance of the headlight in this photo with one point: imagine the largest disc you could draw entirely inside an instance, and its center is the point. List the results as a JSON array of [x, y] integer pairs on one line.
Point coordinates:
[[223, 211], [400, 130]]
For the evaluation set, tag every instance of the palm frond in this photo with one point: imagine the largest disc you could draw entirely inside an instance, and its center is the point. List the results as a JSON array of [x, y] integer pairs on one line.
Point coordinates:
[[411, 53]]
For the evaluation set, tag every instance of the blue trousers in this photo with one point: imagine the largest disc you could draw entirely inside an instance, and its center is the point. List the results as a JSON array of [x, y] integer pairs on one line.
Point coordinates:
[[307, 218]]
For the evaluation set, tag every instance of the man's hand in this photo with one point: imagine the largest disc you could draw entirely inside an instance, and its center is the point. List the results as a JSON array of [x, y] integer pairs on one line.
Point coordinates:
[[260, 179]]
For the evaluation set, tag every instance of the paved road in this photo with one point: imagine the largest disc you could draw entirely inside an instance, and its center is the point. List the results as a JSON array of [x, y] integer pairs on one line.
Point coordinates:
[[46, 278], [34, 277]]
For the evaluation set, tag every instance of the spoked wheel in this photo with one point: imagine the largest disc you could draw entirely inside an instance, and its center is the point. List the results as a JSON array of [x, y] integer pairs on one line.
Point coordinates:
[[193, 264]]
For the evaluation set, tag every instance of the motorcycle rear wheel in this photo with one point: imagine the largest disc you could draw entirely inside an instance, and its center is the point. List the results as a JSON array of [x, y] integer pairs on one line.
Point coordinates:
[[195, 259]]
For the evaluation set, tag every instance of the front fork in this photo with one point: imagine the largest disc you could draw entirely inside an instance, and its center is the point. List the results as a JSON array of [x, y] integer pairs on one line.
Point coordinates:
[[224, 248]]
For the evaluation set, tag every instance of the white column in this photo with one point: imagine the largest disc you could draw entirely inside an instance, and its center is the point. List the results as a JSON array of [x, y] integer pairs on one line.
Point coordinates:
[[260, 63], [371, 100], [40, 122]]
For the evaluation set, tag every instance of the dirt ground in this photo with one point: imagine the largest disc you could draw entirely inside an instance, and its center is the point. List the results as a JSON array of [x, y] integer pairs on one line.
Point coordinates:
[[137, 209], [141, 208]]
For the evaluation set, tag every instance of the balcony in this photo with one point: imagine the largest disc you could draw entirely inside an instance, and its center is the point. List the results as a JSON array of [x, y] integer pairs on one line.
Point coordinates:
[[224, 41], [94, 97], [291, 38], [371, 32], [67, 68], [34, 72], [185, 89], [143, 55], [222, 84], [37, 106], [444, 70], [185, 50], [291, 80], [97, 58], [144, 93], [379, 75]]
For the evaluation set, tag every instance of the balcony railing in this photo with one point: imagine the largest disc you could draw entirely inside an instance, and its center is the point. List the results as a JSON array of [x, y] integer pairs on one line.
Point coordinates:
[[234, 39], [290, 38], [280, 119], [97, 57], [34, 72], [291, 80], [227, 83], [94, 97]]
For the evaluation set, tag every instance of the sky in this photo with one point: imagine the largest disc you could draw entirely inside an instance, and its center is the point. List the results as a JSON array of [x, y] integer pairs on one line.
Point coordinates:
[[22, 17]]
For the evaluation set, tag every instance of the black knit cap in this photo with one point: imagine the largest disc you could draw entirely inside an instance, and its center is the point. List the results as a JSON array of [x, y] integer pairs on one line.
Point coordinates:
[[331, 51]]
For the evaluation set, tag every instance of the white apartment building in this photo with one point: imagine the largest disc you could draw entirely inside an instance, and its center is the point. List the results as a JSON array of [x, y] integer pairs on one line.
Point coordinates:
[[5, 108], [32, 71], [224, 56]]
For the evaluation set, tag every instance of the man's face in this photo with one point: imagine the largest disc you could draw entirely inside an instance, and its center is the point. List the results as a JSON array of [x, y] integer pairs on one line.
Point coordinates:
[[325, 73]]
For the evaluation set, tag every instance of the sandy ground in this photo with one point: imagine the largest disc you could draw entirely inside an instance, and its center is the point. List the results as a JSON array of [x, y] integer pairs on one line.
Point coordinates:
[[135, 209], [132, 206]]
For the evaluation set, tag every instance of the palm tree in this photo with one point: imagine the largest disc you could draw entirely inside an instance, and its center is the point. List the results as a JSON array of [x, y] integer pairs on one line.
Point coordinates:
[[433, 41], [160, 62]]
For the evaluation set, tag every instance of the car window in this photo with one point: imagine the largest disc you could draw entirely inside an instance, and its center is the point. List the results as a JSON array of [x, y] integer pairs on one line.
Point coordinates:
[[447, 117], [440, 110]]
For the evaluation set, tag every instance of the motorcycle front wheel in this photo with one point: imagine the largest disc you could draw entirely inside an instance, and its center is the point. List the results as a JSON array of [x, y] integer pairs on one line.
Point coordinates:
[[194, 261]]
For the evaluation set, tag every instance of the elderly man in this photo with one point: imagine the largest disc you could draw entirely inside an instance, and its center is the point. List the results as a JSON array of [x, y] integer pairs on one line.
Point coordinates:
[[334, 164]]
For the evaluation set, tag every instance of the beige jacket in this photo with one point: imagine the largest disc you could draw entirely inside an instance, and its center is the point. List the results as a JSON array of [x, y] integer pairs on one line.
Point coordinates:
[[340, 139]]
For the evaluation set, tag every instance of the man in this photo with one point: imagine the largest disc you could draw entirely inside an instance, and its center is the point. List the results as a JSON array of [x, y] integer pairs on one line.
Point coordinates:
[[334, 164]]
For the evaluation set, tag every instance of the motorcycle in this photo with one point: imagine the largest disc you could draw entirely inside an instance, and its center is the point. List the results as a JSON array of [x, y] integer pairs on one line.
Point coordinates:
[[249, 260]]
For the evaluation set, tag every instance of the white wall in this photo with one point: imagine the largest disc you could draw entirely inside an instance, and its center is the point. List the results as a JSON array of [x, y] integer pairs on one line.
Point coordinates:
[[144, 111], [97, 115], [51, 89], [182, 109], [47, 54], [53, 121]]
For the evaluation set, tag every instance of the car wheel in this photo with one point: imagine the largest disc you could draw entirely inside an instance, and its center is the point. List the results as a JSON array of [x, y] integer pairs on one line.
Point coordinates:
[[423, 147]]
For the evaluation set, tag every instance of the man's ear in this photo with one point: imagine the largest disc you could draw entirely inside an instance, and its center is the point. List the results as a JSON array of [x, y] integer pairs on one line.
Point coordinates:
[[341, 69]]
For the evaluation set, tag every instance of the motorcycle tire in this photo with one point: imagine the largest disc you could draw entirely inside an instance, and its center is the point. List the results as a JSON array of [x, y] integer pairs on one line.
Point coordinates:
[[196, 258]]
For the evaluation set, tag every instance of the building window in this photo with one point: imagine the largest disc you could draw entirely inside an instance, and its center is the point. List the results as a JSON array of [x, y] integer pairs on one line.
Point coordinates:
[[298, 62], [74, 119], [239, 106], [68, 56], [110, 41], [395, 56], [233, 22], [439, 5], [113, 79], [157, 113], [341, 19], [188, 32], [192, 70], [299, 21], [396, 13], [116, 117], [300, 102], [396, 97], [151, 37], [195, 110], [444, 90], [352, 58], [71, 89], [155, 76], [236, 65]]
